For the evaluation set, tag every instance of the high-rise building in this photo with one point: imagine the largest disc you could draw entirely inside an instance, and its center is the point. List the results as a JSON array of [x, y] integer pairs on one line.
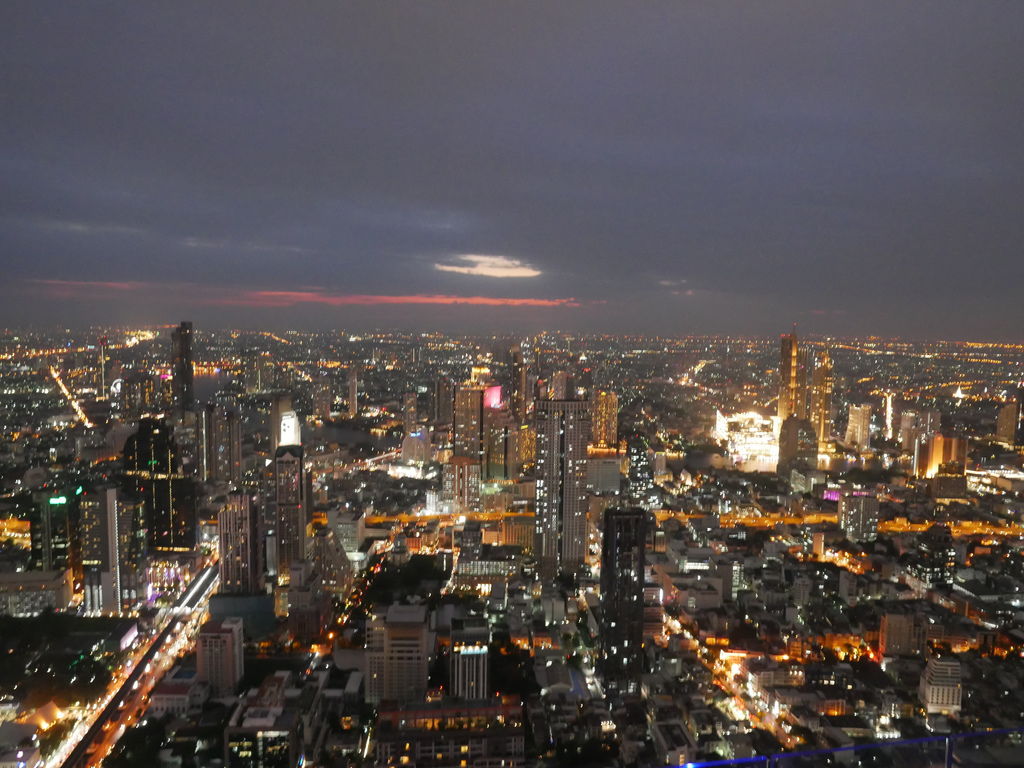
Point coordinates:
[[821, 399], [469, 678], [858, 516], [798, 445], [468, 436], [460, 483], [284, 422], [291, 503], [353, 392], [606, 419], [219, 659], [220, 438], [858, 426], [792, 378], [53, 535], [323, 398], [258, 373], [940, 454], [521, 390], [563, 429], [941, 688], [152, 472], [398, 646], [499, 443], [101, 563], [409, 415], [1010, 423], [561, 386], [181, 367], [622, 596], [640, 478], [241, 571], [443, 402]]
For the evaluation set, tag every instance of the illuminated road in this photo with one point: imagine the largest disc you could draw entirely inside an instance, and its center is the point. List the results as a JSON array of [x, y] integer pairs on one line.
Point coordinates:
[[72, 400], [92, 741]]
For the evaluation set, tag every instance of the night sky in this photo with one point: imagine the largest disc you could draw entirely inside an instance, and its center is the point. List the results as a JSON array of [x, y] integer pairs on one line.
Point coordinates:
[[679, 167]]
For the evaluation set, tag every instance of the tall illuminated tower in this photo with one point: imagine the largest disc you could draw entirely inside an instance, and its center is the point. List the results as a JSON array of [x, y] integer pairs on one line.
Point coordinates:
[[181, 366], [292, 512], [563, 429], [821, 399], [606, 419], [792, 378], [622, 596], [468, 438], [353, 393], [100, 542]]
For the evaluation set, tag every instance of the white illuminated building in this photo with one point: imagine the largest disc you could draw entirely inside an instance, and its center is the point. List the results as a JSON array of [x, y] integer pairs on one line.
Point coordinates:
[[751, 439]]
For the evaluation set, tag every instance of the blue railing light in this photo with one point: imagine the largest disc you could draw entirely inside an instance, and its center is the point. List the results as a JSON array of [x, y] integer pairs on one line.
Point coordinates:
[[948, 742]]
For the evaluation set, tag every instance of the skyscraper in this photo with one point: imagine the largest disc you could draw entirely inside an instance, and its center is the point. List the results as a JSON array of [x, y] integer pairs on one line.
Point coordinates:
[[240, 568], [53, 537], [563, 428], [640, 478], [398, 645], [292, 510], [821, 399], [282, 415], [622, 596], [353, 392], [151, 469], [468, 437], [181, 367], [460, 483], [798, 445], [792, 378], [220, 454], [101, 565], [858, 427], [443, 402], [219, 659], [520, 385], [606, 419], [323, 398], [409, 415]]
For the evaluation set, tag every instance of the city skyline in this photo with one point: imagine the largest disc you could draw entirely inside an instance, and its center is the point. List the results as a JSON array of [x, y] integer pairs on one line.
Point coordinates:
[[589, 167]]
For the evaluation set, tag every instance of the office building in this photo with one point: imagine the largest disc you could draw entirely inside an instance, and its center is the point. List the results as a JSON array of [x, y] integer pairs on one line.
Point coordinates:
[[265, 730], [53, 534], [100, 541], [468, 435], [219, 659], [353, 392], [858, 515], [792, 378], [606, 419], [398, 649], [941, 688], [563, 429], [181, 367], [622, 596], [220, 444], [821, 399], [798, 445], [323, 398], [521, 389], [151, 471], [640, 476], [241, 568], [460, 483], [469, 668], [410, 418], [291, 504], [858, 426], [443, 402]]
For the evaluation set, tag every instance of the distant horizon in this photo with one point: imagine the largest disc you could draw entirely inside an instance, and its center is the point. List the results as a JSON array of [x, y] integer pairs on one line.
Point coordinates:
[[511, 333]]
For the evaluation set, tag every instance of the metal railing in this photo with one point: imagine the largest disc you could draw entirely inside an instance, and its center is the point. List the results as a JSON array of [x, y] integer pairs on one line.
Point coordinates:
[[980, 749]]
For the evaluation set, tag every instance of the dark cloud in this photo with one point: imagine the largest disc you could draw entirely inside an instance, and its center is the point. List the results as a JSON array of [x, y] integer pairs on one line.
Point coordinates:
[[673, 167]]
